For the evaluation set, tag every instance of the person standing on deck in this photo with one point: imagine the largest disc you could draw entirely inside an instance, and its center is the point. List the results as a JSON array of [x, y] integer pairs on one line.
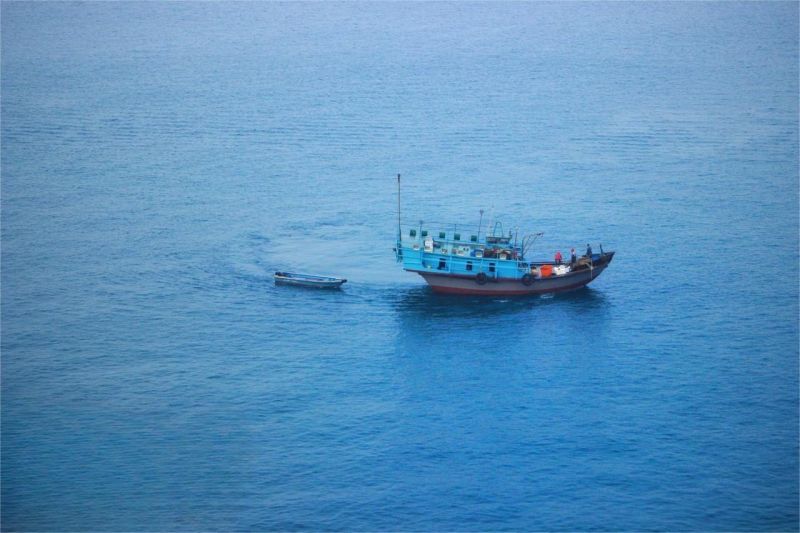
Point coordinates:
[[573, 257], [558, 257], [589, 251]]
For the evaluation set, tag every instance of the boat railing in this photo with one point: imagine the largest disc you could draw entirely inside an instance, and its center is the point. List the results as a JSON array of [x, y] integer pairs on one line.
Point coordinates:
[[453, 234]]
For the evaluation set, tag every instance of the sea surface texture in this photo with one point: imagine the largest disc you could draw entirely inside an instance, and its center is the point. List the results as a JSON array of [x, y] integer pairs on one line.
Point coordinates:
[[161, 160]]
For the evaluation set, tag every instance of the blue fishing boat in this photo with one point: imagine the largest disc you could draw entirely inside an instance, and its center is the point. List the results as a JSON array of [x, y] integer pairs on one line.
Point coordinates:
[[306, 280], [457, 259]]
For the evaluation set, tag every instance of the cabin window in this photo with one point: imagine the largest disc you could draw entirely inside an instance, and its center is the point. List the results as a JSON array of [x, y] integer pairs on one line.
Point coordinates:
[[442, 264], [424, 233], [456, 236], [469, 265], [473, 238], [441, 235], [491, 267], [412, 233]]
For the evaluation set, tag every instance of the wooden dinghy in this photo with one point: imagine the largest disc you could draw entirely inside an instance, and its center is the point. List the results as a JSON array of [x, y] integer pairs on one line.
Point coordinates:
[[306, 280]]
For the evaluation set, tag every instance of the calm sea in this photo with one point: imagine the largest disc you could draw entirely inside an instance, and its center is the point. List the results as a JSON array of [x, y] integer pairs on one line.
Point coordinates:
[[160, 160]]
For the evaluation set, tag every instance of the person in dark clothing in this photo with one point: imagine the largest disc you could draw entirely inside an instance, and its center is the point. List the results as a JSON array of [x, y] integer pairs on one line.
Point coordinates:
[[573, 257], [588, 250]]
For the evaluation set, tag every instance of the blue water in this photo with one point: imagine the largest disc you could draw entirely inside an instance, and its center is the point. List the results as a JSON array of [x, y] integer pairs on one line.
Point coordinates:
[[161, 160]]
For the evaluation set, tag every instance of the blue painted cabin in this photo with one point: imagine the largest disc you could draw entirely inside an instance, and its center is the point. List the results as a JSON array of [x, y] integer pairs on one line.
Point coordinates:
[[455, 253]]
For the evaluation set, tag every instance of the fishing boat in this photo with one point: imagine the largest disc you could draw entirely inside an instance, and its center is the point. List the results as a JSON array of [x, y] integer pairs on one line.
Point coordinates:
[[463, 261], [306, 280]]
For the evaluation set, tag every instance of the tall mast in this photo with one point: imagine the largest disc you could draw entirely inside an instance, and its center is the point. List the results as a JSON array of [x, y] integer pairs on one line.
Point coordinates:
[[399, 231]]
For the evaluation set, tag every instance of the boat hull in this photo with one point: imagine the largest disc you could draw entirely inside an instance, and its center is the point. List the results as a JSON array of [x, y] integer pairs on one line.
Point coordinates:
[[312, 284], [305, 280], [455, 284]]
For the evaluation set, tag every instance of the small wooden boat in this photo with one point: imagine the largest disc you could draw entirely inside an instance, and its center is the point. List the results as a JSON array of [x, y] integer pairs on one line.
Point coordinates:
[[305, 280]]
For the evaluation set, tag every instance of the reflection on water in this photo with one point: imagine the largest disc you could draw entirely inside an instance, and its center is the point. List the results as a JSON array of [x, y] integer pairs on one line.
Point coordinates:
[[433, 324], [424, 302]]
